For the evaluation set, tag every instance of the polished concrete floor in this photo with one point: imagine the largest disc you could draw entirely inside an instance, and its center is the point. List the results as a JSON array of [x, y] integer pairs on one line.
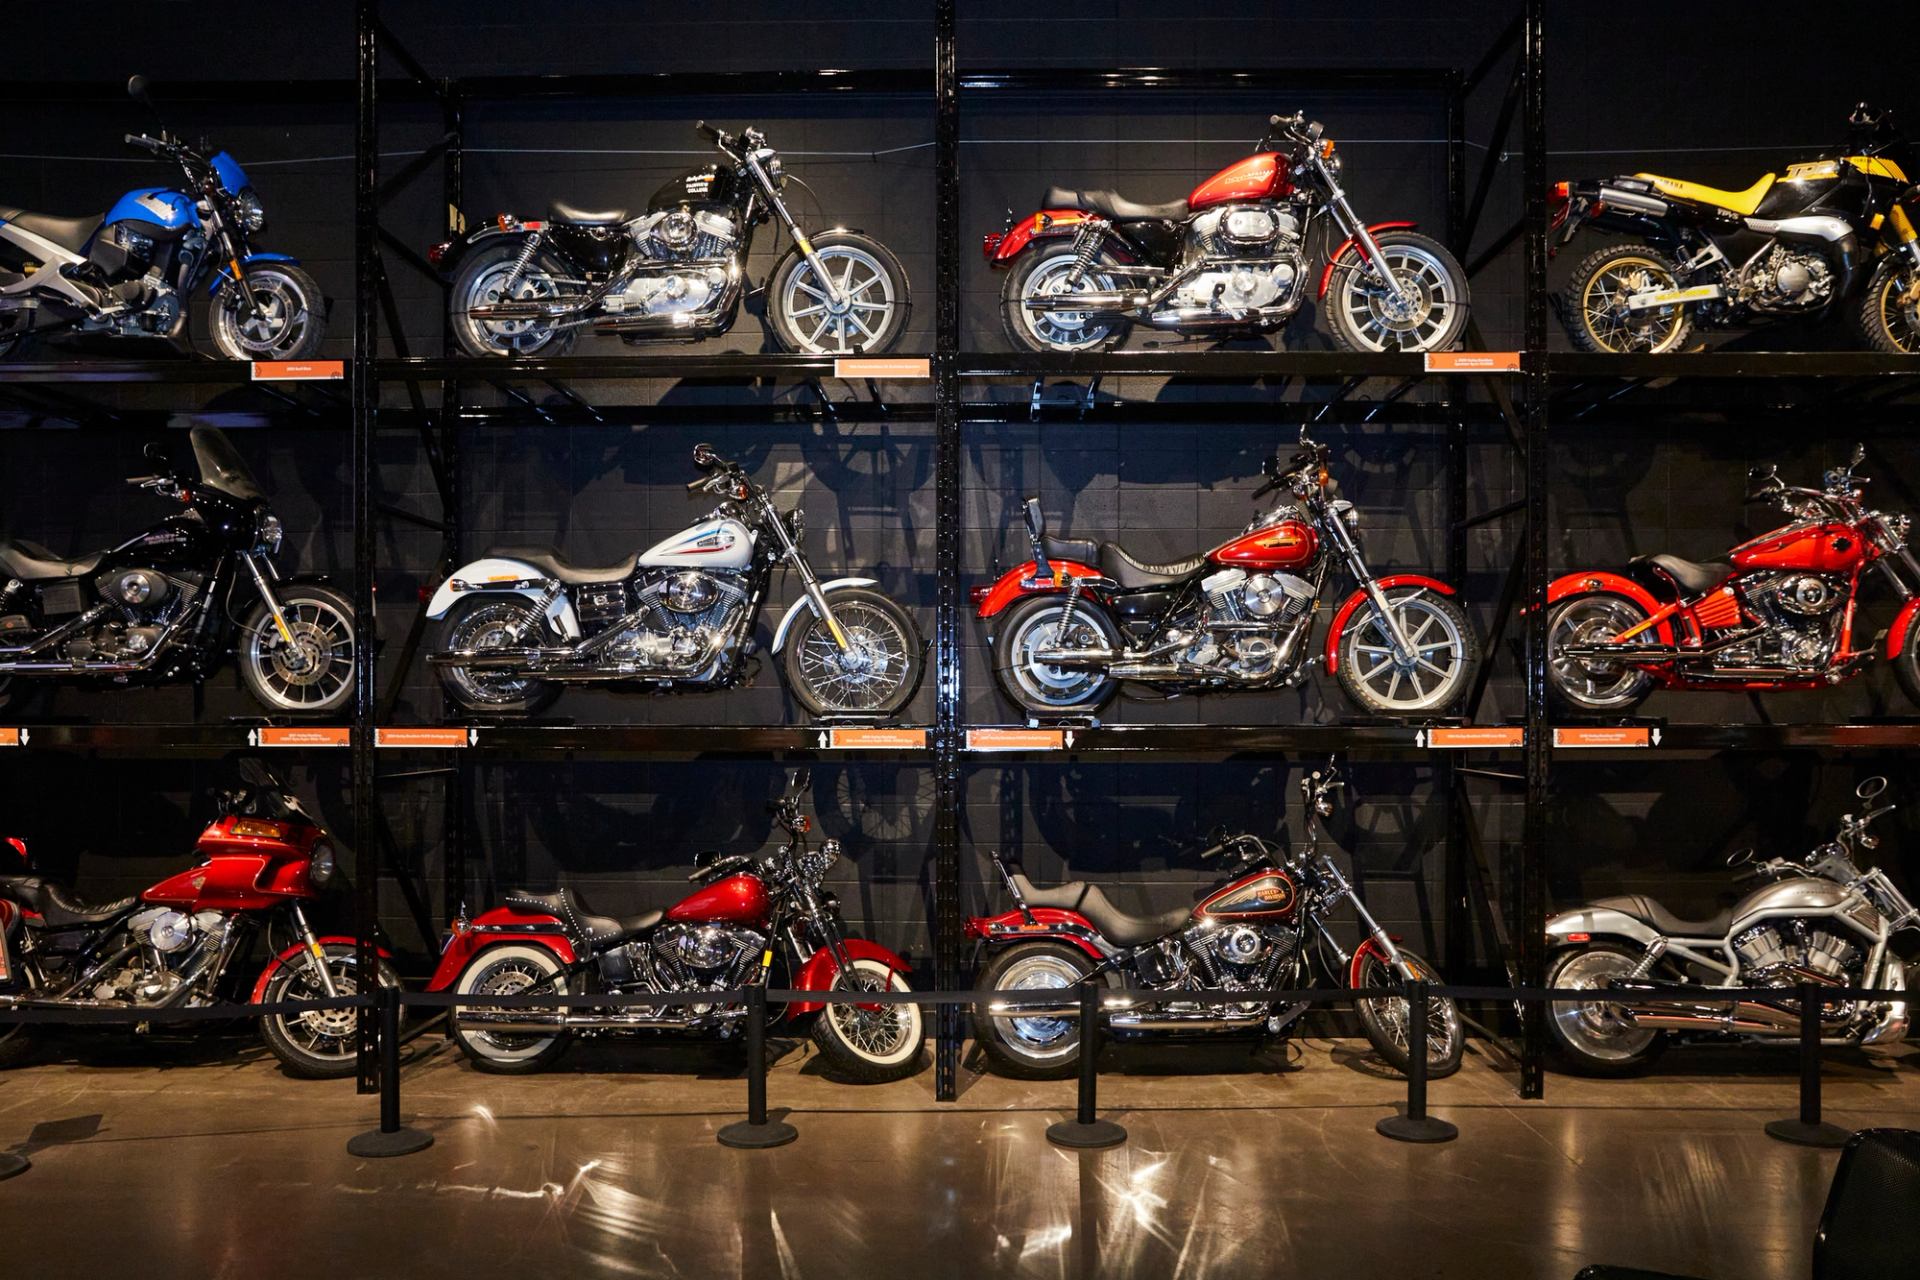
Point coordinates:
[[203, 1160]]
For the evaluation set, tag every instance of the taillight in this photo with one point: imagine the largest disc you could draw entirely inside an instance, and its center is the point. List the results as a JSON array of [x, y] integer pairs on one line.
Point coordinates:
[[438, 254], [990, 244], [979, 595], [1560, 193]]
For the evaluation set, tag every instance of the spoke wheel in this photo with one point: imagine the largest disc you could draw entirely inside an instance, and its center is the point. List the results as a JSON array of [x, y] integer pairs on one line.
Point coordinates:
[[310, 668], [507, 971], [877, 672], [1387, 1020], [874, 1043], [1584, 684], [1604, 283], [1890, 312]]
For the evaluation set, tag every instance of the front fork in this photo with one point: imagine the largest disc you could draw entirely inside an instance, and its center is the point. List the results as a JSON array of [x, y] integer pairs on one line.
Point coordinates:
[[1350, 223], [1403, 650], [1344, 891], [314, 949], [809, 581], [272, 602], [800, 240]]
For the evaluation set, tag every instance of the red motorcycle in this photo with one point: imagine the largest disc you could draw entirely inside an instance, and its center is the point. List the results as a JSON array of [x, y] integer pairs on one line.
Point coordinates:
[[182, 942], [1232, 256], [1073, 623], [1777, 613], [748, 913]]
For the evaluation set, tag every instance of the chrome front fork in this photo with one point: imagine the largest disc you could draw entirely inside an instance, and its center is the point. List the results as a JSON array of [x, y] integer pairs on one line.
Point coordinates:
[[314, 949], [272, 602], [1350, 223], [1403, 650], [805, 245], [809, 582]]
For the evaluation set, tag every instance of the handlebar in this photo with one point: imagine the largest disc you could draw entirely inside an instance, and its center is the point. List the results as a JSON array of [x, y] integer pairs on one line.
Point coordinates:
[[722, 866], [717, 135]]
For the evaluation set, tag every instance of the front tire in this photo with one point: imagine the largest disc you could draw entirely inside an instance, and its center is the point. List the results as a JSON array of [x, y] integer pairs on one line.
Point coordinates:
[[288, 320], [1890, 311], [1036, 1047], [1386, 1022], [875, 298], [1043, 272], [1593, 688], [484, 622], [870, 1046], [1597, 319], [1594, 1038], [1363, 316], [501, 971], [1042, 689], [309, 670], [875, 676], [1446, 654], [482, 281], [322, 1045]]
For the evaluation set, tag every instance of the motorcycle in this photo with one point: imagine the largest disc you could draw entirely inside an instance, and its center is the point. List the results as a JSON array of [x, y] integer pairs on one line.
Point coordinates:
[[1797, 244], [1820, 921], [159, 606], [133, 273], [1262, 928], [1778, 613], [748, 913], [1232, 256], [676, 272], [1078, 619], [520, 622], [182, 943]]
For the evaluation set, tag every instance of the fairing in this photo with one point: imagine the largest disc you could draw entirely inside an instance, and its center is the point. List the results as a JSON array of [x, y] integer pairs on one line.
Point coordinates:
[[228, 170], [243, 872]]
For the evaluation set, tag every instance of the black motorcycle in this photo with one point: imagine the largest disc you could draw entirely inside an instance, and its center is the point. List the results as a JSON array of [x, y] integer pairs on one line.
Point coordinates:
[[161, 606], [676, 273], [1802, 243]]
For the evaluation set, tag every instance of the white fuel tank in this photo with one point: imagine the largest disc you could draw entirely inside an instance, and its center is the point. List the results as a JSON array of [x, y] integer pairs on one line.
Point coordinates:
[[716, 544]]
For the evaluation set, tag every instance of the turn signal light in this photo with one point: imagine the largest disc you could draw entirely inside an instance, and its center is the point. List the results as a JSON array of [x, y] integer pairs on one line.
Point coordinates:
[[1560, 192], [259, 828], [438, 254], [1579, 937]]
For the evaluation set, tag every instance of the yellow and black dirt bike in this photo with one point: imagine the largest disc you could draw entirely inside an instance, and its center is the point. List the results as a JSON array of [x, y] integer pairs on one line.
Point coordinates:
[[1820, 236]]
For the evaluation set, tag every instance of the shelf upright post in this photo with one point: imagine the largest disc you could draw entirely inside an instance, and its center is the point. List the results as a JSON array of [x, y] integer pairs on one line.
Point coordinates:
[[1531, 919], [453, 196], [366, 175], [946, 419], [1447, 782]]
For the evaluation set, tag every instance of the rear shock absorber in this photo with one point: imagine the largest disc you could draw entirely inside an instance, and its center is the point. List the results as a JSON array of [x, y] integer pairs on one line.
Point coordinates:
[[527, 250], [539, 611], [1086, 244]]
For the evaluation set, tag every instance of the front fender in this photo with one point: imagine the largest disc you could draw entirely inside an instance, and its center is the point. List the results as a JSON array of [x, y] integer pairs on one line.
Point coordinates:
[[476, 574], [226, 273], [818, 973], [1598, 922], [1359, 597], [806, 603], [1902, 624], [1349, 245], [1001, 249], [329, 943], [1021, 582]]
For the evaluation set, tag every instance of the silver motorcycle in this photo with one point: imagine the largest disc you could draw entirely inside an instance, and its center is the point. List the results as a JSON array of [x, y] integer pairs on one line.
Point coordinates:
[[1820, 920]]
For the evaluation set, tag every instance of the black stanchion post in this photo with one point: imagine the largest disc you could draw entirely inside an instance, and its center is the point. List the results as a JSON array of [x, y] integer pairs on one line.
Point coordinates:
[[756, 1131], [1416, 1125], [1808, 1129], [1086, 1129], [391, 1138]]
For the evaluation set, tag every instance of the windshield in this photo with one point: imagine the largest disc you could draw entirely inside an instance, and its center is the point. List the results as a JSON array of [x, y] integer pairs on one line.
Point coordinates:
[[220, 466]]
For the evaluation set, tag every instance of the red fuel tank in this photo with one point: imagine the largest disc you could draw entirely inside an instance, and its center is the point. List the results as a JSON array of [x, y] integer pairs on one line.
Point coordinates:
[[1289, 544], [1258, 177], [739, 899], [1262, 895], [1812, 546]]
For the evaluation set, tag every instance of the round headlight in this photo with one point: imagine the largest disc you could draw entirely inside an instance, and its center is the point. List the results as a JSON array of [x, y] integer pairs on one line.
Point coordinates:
[[320, 869], [776, 170], [269, 533], [253, 214]]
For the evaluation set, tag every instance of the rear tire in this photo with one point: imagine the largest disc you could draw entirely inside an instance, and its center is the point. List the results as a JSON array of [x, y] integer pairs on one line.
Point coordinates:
[[507, 970], [871, 1046], [1589, 1039], [1889, 321], [477, 623], [478, 282], [1593, 688], [1042, 270], [1043, 690], [1035, 1048], [1602, 281]]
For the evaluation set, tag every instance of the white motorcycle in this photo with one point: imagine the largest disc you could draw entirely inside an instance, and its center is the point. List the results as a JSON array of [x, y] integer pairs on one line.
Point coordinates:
[[1820, 921]]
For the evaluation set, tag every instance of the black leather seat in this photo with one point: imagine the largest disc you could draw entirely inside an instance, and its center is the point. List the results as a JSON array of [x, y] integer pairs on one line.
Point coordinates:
[[559, 212], [547, 560], [68, 233], [579, 920], [58, 907], [1113, 205], [1692, 576], [1641, 907], [31, 562], [1121, 928], [1138, 575], [1084, 550]]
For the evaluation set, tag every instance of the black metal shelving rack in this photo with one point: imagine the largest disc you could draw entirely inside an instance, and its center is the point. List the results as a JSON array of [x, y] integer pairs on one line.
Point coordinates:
[[1573, 391]]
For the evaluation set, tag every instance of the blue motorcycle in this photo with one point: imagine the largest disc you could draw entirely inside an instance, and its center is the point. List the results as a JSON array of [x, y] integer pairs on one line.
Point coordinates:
[[131, 274]]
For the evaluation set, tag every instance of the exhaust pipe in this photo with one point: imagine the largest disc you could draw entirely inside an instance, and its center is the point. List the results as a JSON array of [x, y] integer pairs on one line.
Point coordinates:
[[521, 1022], [1088, 302]]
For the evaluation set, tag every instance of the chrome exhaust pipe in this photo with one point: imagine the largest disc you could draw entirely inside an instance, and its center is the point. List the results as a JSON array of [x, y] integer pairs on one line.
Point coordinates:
[[523, 1022], [1088, 302]]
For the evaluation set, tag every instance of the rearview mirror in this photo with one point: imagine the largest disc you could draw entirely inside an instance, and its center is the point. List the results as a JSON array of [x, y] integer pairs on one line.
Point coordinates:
[[1871, 788], [1859, 455], [137, 90], [156, 453]]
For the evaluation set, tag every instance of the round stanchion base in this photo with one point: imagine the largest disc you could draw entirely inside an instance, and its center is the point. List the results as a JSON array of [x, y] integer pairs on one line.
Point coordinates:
[[748, 1136], [12, 1166], [376, 1145], [1802, 1134], [1086, 1137], [1407, 1129]]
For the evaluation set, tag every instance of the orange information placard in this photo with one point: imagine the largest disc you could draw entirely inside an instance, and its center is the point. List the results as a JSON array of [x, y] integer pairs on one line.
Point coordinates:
[[1016, 739], [422, 737], [876, 739], [329, 735], [1473, 362], [299, 370], [1592, 736], [1474, 736], [13, 737], [882, 367]]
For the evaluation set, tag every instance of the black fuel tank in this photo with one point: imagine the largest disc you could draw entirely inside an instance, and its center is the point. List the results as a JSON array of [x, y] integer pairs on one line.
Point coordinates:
[[710, 186]]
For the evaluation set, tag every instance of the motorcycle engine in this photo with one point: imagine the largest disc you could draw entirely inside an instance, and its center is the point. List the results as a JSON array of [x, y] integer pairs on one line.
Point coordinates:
[[1802, 614], [686, 258], [1789, 279], [681, 613], [698, 957], [1239, 957], [144, 602], [1250, 624], [173, 947], [1250, 255], [1784, 955]]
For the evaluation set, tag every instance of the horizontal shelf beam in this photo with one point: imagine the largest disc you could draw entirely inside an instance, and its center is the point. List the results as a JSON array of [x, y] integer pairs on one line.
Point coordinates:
[[1200, 80], [1565, 366]]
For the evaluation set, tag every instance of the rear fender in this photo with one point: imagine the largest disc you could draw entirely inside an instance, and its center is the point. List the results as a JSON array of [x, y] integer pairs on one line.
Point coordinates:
[[447, 256], [495, 928], [818, 973], [1001, 249], [1359, 597], [1600, 582], [332, 944], [1597, 922], [805, 605], [506, 577], [1019, 583], [1350, 245], [1048, 924]]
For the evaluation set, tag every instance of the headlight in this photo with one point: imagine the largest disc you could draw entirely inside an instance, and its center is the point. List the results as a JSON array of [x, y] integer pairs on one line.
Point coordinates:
[[253, 214], [776, 170], [1334, 164], [320, 869], [268, 533]]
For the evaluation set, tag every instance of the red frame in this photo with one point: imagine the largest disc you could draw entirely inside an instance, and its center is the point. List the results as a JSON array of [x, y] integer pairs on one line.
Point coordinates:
[[1359, 595]]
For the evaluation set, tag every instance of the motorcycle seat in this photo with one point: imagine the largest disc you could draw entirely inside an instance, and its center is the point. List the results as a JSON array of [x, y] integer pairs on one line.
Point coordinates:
[[1081, 550], [1692, 576], [1138, 575], [1740, 202], [1121, 928], [1113, 205], [547, 560], [31, 562], [560, 212], [1641, 907], [579, 921], [57, 906], [68, 233]]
